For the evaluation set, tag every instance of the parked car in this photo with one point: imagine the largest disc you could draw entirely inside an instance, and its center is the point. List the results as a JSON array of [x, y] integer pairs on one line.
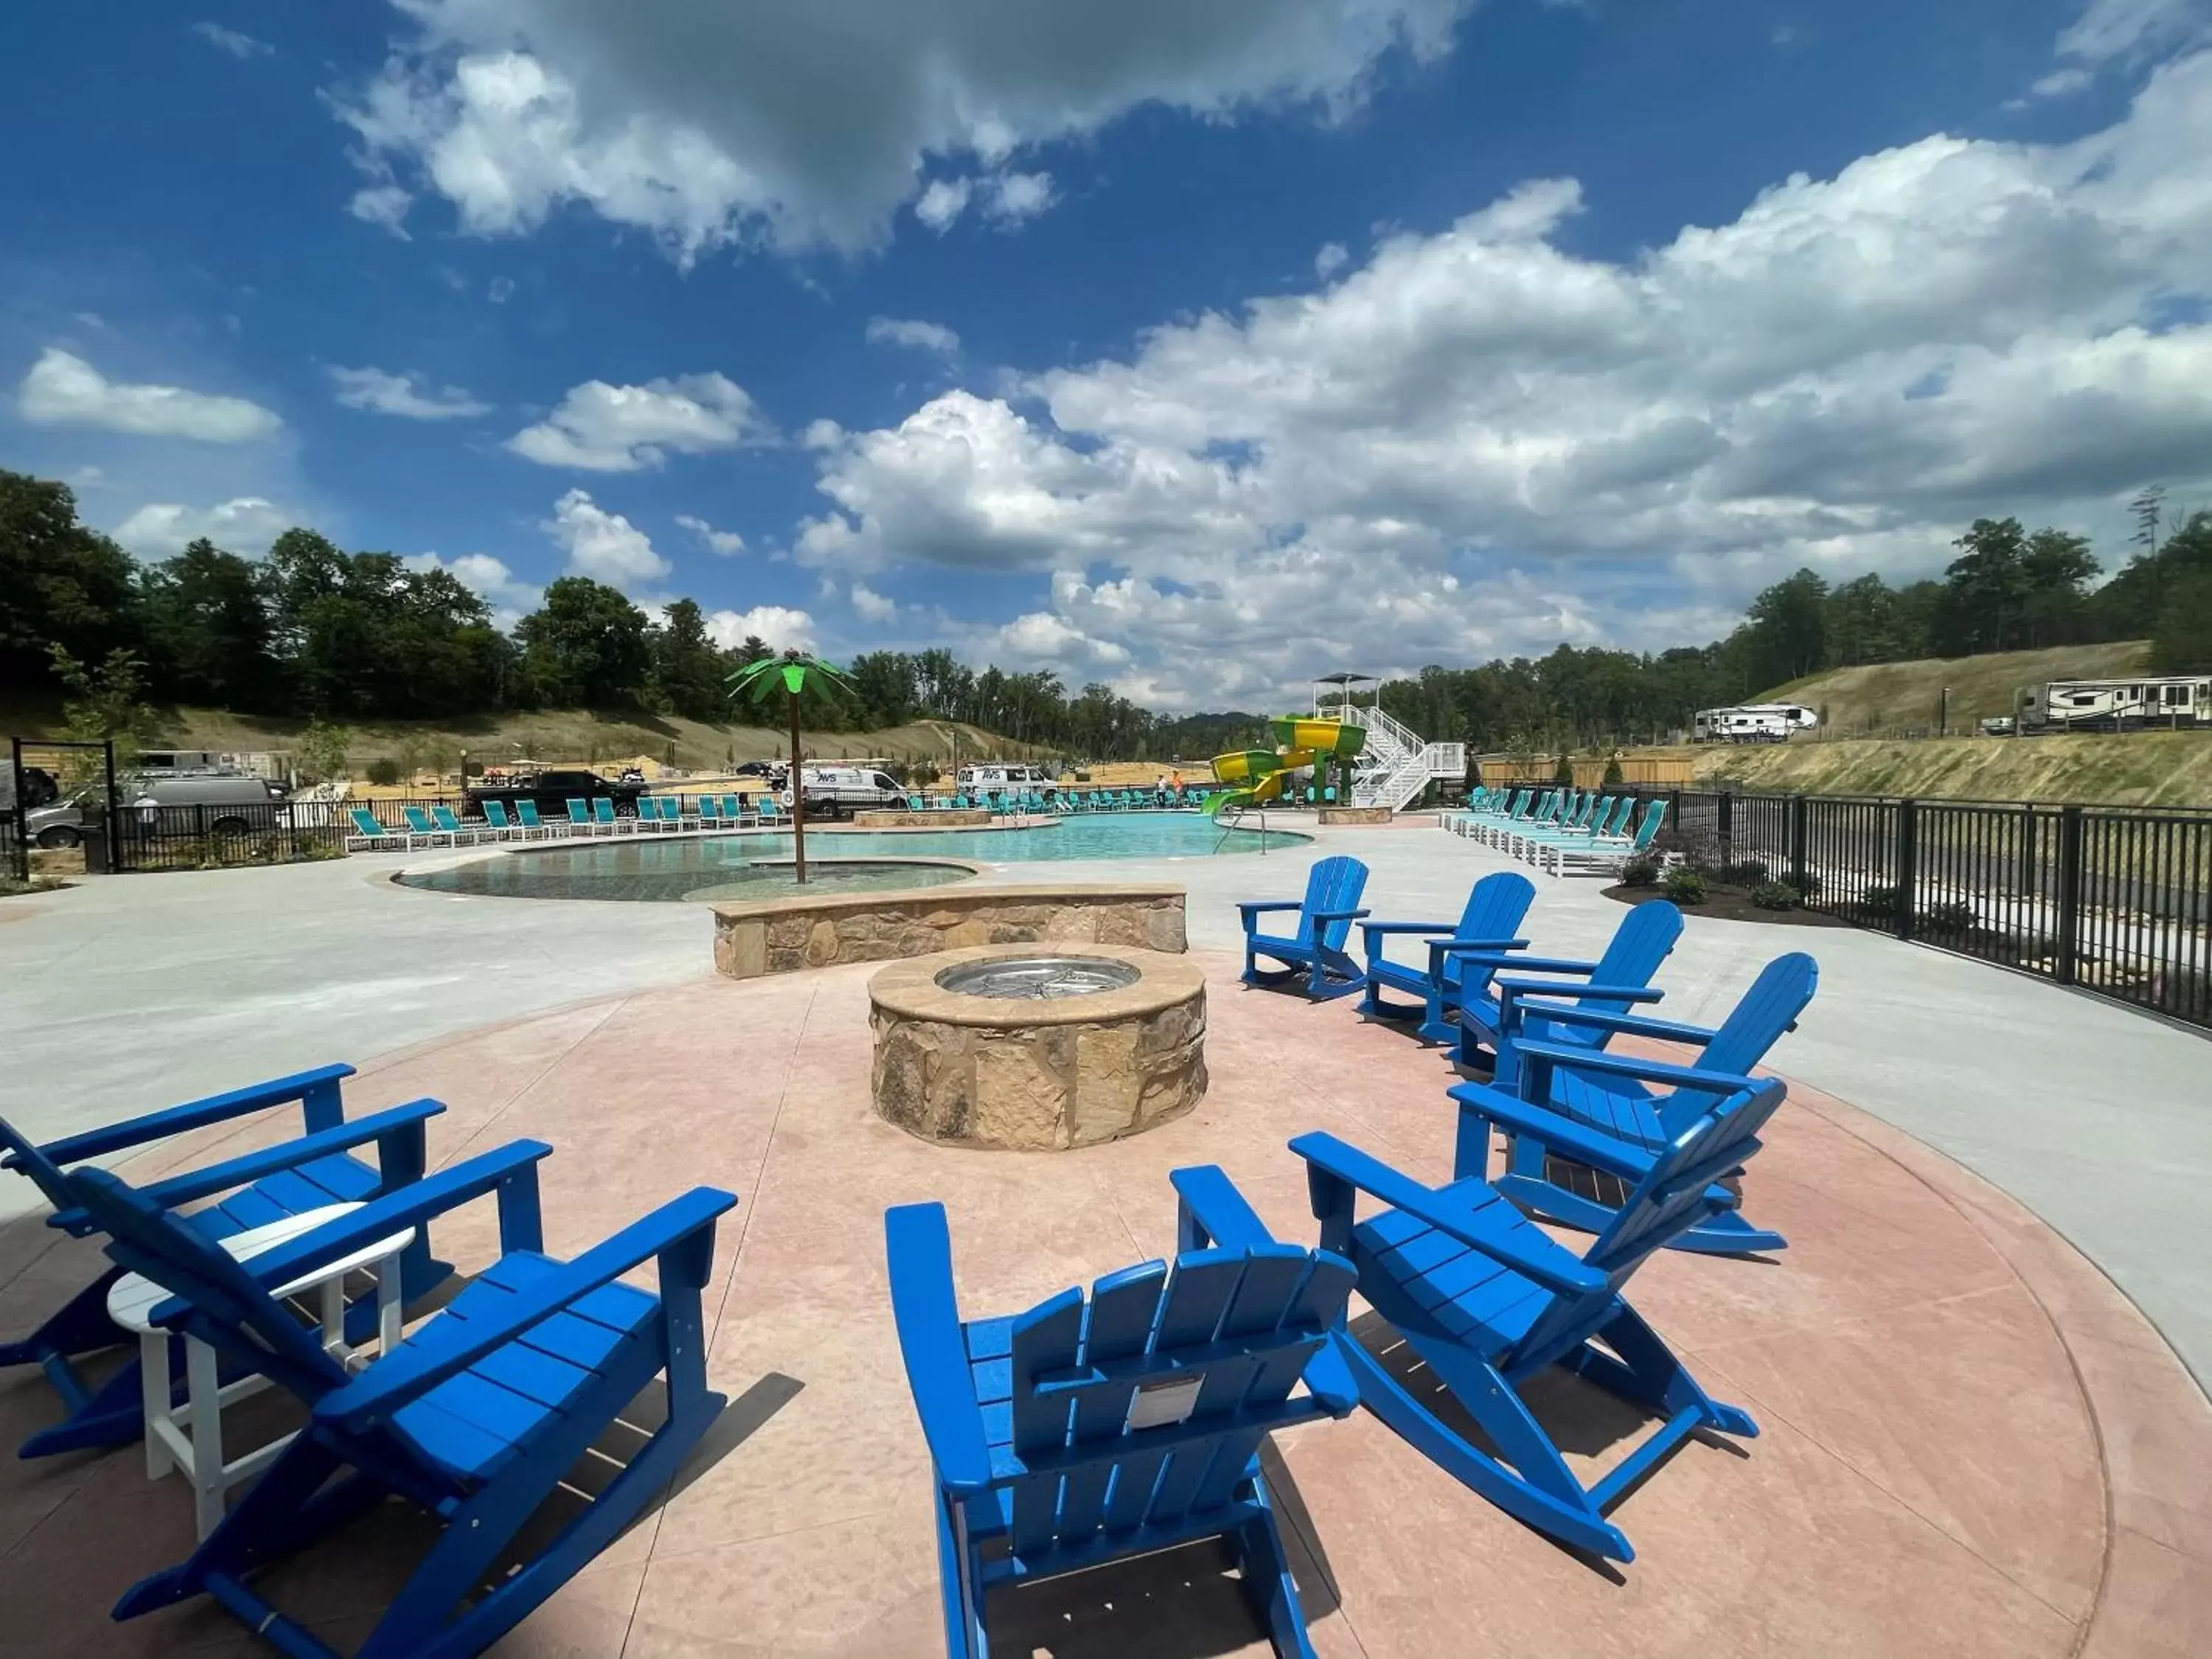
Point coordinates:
[[227, 804], [551, 791]]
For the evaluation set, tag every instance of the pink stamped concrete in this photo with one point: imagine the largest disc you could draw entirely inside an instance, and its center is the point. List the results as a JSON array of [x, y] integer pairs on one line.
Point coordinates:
[[1972, 1443]]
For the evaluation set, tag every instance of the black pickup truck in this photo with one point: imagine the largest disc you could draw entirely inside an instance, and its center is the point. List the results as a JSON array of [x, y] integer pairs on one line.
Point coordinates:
[[551, 791]]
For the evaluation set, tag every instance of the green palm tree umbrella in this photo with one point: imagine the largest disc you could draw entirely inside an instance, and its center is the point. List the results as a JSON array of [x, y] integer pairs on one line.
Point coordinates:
[[801, 678]]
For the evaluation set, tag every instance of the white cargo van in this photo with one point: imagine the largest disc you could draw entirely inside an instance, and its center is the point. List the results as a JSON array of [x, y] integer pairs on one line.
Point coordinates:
[[835, 791], [229, 805], [1010, 775]]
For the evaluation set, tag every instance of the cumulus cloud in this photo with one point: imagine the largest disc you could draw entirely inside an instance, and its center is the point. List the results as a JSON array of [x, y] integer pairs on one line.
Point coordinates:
[[1331, 259], [2125, 32], [727, 543], [911, 332], [779, 626], [603, 545], [1479, 441], [383, 205], [510, 597], [624, 428], [408, 396], [705, 126], [245, 524], [871, 605], [61, 389], [230, 41]]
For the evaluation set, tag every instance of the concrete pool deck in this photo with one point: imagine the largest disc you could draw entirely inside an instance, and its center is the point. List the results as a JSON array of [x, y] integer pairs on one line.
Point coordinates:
[[1970, 1445]]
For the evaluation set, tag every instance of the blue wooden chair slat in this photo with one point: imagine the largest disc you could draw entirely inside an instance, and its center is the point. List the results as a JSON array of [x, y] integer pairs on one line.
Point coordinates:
[[1486, 1300], [1054, 1452], [1617, 1097], [1491, 917], [1643, 939], [308, 1173], [1315, 953], [475, 1415]]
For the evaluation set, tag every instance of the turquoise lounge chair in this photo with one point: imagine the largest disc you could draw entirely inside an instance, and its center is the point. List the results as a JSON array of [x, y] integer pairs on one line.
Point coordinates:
[[368, 834], [1315, 951], [1604, 854], [533, 827], [474, 1417], [319, 1169], [604, 820], [500, 827], [1487, 1301], [579, 816], [1093, 1429], [710, 813], [1489, 922], [451, 826], [1609, 1093]]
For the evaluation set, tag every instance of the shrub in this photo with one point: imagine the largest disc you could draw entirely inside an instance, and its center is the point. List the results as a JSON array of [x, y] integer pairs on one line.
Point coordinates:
[[1775, 895], [1642, 870], [1685, 885], [384, 771], [1879, 901], [1746, 872], [1807, 884], [1613, 772], [1955, 917]]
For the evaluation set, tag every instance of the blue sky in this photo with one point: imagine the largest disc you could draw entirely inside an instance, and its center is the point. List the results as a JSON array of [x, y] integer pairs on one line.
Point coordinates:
[[1194, 349]]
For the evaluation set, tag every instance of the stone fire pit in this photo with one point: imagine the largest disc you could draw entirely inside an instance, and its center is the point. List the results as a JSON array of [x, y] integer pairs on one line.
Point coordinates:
[[1036, 1048]]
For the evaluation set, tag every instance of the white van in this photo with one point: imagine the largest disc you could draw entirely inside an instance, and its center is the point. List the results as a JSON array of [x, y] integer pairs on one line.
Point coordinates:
[[834, 791], [1010, 775]]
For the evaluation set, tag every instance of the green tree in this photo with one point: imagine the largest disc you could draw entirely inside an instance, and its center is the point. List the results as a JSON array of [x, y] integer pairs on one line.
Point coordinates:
[[1784, 636], [687, 667], [799, 679], [60, 583], [1988, 589], [2182, 642], [319, 752], [586, 646], [106, 702], [209, 635]]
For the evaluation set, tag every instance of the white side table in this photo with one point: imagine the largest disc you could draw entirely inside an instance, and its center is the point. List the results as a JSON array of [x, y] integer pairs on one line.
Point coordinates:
[[196, 1447]]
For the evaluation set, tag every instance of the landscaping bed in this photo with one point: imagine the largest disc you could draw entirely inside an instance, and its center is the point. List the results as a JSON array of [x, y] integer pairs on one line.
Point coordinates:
[[1726, 903]]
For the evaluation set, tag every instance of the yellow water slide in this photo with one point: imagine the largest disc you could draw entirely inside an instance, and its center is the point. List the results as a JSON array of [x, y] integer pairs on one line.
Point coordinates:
[[1258, 775]]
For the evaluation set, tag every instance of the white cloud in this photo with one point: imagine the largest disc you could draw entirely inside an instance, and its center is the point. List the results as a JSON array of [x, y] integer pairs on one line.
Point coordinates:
[[784, 629], [230, 41], [807, 126], [605, 546], [161, 529], [1480, 442], [385, 205], [727, 543], [61, 389], [510, 597], [500, 290], [407, 396], [908, 332], [623, 428], [942, 203], [1331, 259], [2124, 32], [871, 605]]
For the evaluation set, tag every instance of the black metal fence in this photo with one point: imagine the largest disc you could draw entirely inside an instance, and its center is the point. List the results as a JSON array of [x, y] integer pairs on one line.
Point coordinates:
[[2116, 900]]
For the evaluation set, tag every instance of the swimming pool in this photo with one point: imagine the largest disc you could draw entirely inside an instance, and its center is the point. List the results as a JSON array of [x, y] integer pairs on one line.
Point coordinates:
[[666, 869]]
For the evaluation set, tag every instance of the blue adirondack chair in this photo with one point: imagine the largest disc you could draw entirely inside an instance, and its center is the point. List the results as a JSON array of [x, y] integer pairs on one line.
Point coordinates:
[[476, 1416], [1614, 1093], [316, 1170], [1492, 916], [1618, 979], [1093, 1429], [1486, 1300], [1316, 950]]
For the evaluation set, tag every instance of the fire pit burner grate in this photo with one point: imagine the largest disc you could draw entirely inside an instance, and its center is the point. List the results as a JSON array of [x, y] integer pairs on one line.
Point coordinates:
[[1038, 978]]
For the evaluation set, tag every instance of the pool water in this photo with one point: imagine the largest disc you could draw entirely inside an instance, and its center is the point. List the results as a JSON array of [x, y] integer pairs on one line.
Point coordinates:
[[749, 867]]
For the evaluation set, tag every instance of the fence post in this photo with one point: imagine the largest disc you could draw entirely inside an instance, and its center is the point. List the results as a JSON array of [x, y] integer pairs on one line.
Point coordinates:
[[1798, 816], [2070, 892], [1724, 822], [1908, 865]]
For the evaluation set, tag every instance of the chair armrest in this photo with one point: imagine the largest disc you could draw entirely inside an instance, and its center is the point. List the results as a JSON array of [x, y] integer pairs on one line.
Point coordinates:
[[1441, 948], [446, 1347], [1210, 1211], [1407, 927], [1545, 988], [1255, 907], [1535, 1256], [410, 1206], [290, 1154], [1339, 916], [1548, 1055], [1535, 964], [322, 1082], [1584, 1145], [1568, 1014], [927, 1310]]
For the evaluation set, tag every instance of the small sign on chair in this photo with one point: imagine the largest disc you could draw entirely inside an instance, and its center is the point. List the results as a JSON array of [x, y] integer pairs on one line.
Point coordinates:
[[1155, 1405]]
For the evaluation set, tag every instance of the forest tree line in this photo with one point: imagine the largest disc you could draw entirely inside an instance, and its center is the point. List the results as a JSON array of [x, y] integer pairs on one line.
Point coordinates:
[[310, 630]]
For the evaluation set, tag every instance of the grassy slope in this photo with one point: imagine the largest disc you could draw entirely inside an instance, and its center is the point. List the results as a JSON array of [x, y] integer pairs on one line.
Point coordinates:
[[2135, 768], [1884, 697]]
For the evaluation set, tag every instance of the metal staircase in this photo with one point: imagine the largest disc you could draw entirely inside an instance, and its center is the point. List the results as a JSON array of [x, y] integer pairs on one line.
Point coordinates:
[[1395, 765]]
